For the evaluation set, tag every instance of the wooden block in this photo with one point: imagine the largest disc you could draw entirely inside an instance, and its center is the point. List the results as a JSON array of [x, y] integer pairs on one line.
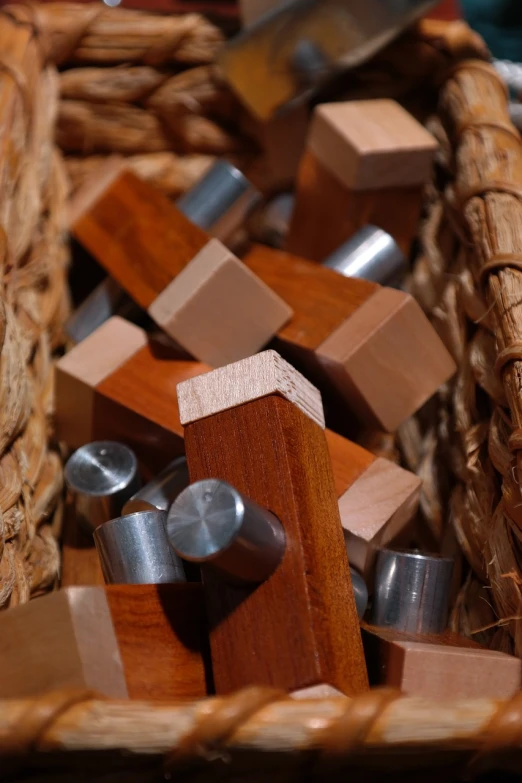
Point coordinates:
[[115, 385], [277, 455], [371, 145], [282, 141], [163, 641], [64, 639], [377, 500], [366, 162], [195, 289], [448, 666], [373, 344], [80, 562], [136, 641]]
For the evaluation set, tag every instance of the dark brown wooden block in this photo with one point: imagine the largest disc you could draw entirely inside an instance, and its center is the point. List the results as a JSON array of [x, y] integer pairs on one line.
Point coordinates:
[[299, 628], [373, 344]]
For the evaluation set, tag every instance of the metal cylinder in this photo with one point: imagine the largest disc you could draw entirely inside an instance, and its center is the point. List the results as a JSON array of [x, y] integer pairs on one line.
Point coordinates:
[[162, 490], [360, 592], [412, 591], [220, 201], [134, 549], [211, 522], [371, 254], [102, 475], [274, 221]]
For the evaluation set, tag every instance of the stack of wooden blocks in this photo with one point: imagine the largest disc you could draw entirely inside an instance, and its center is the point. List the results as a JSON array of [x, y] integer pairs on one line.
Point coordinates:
[[227, 362]]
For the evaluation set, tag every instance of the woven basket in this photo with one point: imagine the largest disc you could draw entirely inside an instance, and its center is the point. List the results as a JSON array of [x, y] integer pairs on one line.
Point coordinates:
[[144, 86]]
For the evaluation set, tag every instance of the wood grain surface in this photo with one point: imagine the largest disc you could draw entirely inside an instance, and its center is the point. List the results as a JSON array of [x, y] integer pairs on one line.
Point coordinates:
[[327, 213], [321, 299], [80, 561], [299, 628], [373, 344], [448, 666], [371, 145], [138, 236], [64, 639], [162, 638]]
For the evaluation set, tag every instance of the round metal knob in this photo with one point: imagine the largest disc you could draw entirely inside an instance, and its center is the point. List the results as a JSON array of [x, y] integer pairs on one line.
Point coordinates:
[[103, 475], [211, 522]]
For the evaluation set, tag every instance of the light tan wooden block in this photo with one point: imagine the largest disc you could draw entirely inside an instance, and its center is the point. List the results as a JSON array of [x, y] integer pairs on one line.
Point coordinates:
[[251, 379], [82, 369], [448, 666], [375, 511], [217, 309], [65, 639], [377, 342], [371, 145]]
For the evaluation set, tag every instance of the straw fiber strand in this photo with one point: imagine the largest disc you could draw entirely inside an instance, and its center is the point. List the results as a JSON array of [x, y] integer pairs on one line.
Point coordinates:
[[33, 305]]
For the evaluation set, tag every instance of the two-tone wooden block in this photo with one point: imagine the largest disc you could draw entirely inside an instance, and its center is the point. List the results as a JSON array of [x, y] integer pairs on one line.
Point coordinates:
[[258, 424], [136, 641], [374, 345], [366, 162], [195, 289], [116, 385], [446, 666]]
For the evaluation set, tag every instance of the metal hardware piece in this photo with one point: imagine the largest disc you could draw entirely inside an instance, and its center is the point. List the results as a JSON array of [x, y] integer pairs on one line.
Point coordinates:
[[162, 490], [211, 522], [102, 475], [371, 254], [134, 549], [411, 591]]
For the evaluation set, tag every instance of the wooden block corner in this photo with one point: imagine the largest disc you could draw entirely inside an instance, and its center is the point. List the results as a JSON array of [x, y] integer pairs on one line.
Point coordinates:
[[372, 144], [389, 334], [217, 309], [258, 376]]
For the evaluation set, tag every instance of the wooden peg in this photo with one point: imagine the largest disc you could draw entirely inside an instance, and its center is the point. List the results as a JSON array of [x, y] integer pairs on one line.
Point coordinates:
[[282, 141], [446, 666], [365, 162], [377, 500], [195, 289], [116, 385], [93, 637], [373, 344], [258, 425]]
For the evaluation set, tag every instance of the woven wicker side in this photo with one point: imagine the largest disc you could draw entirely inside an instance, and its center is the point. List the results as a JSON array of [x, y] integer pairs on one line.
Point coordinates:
[[470, 278], [145, 87], [32, 307], [257, 733]]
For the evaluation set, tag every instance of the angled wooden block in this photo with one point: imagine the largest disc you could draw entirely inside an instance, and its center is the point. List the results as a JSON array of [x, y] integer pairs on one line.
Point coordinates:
[[194, 288], [366, 162], [448, 666], [116, 385], [373, 344], [275, 453], [93, 637], [251, 10], [377, 500]]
